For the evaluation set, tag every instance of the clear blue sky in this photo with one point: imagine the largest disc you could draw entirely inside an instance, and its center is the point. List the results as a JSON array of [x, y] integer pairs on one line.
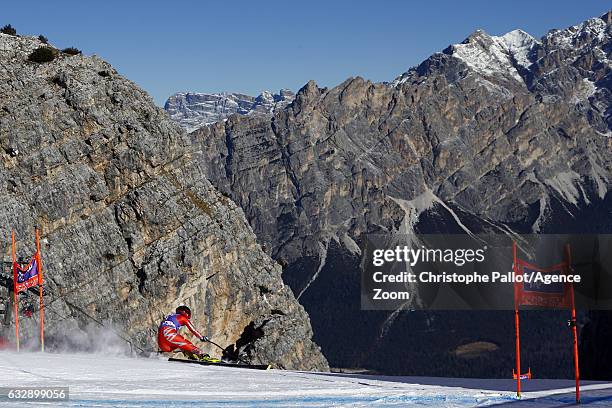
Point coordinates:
[[249, 46]]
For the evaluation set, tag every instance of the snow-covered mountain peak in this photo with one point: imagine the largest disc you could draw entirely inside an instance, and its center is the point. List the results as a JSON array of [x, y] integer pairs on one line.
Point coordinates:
[[495, 56], [519, 44], [514, 55], [518, 36], [592, 30], [265, 96]]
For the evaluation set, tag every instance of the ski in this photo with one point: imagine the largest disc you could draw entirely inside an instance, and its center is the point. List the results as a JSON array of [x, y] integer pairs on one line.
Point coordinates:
[[223, 364]]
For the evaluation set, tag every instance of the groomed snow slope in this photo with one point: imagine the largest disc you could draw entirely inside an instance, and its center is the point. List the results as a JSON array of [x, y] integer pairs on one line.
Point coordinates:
[[99, 381]]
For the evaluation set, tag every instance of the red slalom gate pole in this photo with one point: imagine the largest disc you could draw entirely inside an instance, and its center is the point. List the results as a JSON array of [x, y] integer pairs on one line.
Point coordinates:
[[40, 293], [518, 354], [516, 326], [574, 328], [576, 365], [15, 294]]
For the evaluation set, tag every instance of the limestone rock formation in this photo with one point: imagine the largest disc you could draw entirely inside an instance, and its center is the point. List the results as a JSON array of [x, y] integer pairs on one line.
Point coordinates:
[[193, 110], [493, 134], [131, 225]]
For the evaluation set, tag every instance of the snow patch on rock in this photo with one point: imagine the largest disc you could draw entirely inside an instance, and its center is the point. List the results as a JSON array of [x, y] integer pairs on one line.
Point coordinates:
[[586, 89], [323, 248]]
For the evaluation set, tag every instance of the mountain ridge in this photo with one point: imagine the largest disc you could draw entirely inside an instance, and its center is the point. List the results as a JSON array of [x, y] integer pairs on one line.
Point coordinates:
[[444, 147]]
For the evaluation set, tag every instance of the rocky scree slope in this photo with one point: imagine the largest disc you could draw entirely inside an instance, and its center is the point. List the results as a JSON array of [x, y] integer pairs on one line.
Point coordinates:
[[192, 110], [494, 134], [131, 226]]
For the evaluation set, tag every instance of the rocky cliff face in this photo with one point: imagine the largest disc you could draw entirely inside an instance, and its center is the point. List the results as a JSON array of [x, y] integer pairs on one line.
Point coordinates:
[[131, 225], [493, 134], [194, 110]]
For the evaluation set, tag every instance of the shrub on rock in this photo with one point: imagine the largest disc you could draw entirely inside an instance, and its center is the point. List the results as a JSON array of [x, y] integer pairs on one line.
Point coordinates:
[[43, 54], [71, 51], [8, 29]]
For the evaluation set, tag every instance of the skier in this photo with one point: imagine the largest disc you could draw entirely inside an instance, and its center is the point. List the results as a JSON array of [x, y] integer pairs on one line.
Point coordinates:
[[169, 339]]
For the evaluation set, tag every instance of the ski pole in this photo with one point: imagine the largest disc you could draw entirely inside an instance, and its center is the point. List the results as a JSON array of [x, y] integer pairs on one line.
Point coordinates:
[[238, 358]]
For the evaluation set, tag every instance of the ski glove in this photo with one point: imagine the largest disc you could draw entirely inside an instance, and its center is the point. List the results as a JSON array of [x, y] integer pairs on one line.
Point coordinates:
[[204, 338]]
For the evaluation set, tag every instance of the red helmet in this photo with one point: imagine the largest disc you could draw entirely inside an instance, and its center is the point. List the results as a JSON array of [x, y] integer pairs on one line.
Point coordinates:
[[184, 310]]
